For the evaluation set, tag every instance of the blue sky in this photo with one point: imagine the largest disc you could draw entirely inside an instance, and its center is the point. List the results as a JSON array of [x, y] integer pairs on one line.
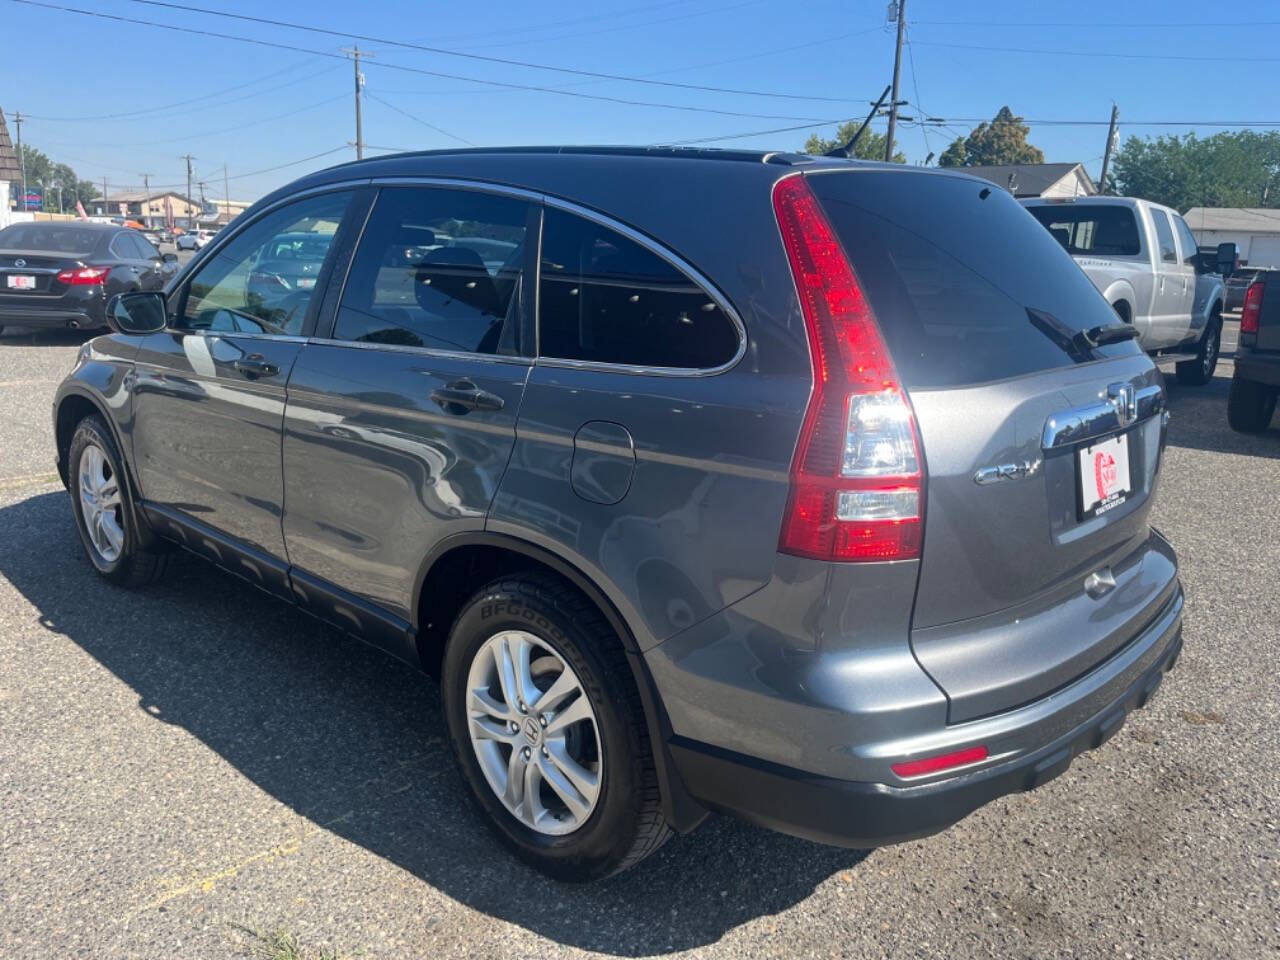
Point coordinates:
[[258, 107]]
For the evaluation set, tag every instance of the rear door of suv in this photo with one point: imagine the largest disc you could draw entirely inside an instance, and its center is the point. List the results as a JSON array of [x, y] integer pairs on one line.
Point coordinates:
[[401, 411], [1041, 450]]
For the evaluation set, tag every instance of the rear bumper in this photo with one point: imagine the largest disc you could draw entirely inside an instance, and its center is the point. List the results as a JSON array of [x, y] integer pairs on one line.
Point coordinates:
[[1028, 747], [87, 313], [1259, 368]]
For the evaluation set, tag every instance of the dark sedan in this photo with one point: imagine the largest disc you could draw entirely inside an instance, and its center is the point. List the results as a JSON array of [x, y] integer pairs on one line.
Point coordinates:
[[63, 274]]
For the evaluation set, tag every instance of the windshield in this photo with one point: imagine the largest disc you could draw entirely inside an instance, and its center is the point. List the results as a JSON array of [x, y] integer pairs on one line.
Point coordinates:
[[965, 285], [51, 237]]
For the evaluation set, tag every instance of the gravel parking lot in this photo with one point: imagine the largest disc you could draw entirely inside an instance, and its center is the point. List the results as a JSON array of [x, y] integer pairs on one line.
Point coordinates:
[[185, 765]]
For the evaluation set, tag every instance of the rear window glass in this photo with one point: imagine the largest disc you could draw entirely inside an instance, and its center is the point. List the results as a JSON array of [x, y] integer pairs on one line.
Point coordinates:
[[56, 239], [967, 287], [1103, 231]]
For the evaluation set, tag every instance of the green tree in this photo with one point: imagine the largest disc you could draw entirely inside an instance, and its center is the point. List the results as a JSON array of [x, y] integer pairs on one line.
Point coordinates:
[[870, 145], [1239, 168], [1003, 140], [41, 169]]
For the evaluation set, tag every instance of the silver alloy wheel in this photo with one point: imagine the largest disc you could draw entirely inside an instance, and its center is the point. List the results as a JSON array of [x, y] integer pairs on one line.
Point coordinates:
[[534, 732], [100, 505], [1211, 350]]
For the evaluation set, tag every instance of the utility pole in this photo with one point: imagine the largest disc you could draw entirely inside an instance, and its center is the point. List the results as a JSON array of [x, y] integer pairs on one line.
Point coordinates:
[[1106, 154], [355, 55], [146, 199], [897, 70], [226, 191], [104, 197], [22, 160], [188, 157]]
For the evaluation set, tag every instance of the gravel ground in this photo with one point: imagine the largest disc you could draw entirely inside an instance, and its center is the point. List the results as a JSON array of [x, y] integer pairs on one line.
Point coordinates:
[[183, 765]]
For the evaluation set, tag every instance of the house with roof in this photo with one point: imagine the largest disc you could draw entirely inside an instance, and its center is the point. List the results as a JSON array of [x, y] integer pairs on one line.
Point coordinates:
[[1254, 230], [10, 170], [1038, 179]]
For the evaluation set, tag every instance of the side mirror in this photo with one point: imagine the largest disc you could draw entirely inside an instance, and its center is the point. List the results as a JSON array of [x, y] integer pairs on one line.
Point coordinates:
[[139, 312], [169, 257], [1228, 255]]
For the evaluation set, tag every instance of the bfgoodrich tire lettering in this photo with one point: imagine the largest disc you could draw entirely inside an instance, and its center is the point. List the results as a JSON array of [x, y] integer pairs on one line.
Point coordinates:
[[625, 822]]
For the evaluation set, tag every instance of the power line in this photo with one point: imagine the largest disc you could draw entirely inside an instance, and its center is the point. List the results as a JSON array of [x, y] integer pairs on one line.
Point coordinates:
[[274, 45], [505, 61], [432, 126], [1088, 53], [915, 88], [1144, 24], [178, 103], [564, 23], [760, 133]]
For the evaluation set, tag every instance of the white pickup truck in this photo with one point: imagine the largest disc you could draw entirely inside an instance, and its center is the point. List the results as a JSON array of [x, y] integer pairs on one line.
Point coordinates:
[[1143, 258]]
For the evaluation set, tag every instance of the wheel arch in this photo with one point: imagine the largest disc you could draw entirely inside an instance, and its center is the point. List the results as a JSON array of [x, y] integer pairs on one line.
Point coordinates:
[[460, 564], [73, 405]]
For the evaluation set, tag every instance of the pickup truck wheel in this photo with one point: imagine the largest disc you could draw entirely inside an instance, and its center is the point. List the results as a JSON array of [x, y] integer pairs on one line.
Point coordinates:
[[1198, 372], [1250, 406], [547, 725]]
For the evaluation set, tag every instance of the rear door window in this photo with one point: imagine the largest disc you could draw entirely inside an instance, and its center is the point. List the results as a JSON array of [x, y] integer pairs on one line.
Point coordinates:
[[966, 285], [1164, 237], [440, 269], [1188, 240], [604, 298], [1091, 230]]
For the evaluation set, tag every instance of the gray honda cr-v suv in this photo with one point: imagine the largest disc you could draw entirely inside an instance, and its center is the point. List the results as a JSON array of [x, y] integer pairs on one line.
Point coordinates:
[[809, 490]]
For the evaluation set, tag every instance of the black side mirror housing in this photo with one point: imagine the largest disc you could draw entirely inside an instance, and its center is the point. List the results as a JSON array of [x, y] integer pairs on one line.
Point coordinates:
[[137, 313], [169, 257], [1228, 257]]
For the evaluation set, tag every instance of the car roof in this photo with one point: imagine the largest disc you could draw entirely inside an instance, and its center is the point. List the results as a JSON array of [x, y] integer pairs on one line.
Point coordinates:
[[77, 224]]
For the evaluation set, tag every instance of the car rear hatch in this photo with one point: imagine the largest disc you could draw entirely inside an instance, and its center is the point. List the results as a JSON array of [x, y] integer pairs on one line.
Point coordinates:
[[1040, 449], [28, 274]]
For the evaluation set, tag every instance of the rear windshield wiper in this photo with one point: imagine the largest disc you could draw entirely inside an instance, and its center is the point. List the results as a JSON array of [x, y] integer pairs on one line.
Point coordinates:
[[1106, 333]]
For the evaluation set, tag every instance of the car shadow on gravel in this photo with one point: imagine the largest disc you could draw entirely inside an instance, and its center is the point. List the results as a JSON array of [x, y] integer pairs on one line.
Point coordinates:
[[1199, 420], [354, 741]]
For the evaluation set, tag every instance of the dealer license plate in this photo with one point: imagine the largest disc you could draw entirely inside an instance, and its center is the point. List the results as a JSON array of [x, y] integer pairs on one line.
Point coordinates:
[[20, 281], [1104, 476]]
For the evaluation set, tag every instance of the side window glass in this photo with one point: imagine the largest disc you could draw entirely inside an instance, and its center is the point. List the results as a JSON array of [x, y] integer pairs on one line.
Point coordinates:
[[121, 248], [245, 289], [1190, 248], [1164, 236], [607, 299], [145, 251], [438, 268]]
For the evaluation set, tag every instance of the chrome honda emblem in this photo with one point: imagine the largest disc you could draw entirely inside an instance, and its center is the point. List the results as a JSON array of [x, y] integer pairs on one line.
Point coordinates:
[[19, 262], [1124, 399]]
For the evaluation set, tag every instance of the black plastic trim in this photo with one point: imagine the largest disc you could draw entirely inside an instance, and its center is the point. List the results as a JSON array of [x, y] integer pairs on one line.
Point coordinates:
[[860, 815]]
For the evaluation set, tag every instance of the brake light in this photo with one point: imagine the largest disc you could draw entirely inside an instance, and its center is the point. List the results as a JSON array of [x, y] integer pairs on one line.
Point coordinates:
[[943, 761], [857, 483], [82, 276], [1252, 308]]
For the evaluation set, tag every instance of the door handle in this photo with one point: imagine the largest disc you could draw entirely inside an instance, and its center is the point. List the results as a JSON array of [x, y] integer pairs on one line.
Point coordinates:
[[256, 365], [463, 395]]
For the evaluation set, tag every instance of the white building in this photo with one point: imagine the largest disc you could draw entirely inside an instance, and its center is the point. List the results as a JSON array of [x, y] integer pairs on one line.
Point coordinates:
[[1037, 179], [1255, 230]]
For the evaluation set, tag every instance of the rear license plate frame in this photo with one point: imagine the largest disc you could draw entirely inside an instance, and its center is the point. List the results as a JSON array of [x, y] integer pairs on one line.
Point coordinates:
[[20, 281], [1109, 481]]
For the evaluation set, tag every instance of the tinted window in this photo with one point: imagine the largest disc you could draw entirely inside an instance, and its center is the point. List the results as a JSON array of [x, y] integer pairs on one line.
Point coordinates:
[[966, 286], [607, 299], [236, 291], [55, 238], [1188, 241], [1164, 237], [1103, 231], [439, 269]]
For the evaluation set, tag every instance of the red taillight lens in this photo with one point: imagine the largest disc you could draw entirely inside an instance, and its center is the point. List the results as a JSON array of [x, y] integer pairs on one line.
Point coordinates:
[[1252, 308], [943, 761], [856, 479], [84, 275]]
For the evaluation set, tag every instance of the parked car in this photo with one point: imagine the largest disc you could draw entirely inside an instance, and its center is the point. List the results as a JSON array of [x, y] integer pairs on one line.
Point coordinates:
[[820, 497], [1144, 259], [152, 237], [63, 274], [1251, 402], [193, 240], [1238, 283]]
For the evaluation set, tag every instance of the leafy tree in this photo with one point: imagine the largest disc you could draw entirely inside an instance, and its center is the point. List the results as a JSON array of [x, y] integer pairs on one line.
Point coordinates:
[[1238, 168], [870, 145], [41, 168], [1003, 140]]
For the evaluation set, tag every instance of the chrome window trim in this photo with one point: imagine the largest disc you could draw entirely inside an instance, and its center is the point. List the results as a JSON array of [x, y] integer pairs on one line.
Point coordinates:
[[419, 351], [675, 260]]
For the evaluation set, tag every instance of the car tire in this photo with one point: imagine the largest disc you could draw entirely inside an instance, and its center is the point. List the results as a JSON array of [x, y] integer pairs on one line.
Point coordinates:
[[1250, 406], [610, 816], [106, 516], [1198, 372]]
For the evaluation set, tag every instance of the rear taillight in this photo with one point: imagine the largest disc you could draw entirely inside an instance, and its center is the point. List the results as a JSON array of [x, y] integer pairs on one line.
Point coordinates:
[[1252, 308], [81, 276], [857, 481]]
